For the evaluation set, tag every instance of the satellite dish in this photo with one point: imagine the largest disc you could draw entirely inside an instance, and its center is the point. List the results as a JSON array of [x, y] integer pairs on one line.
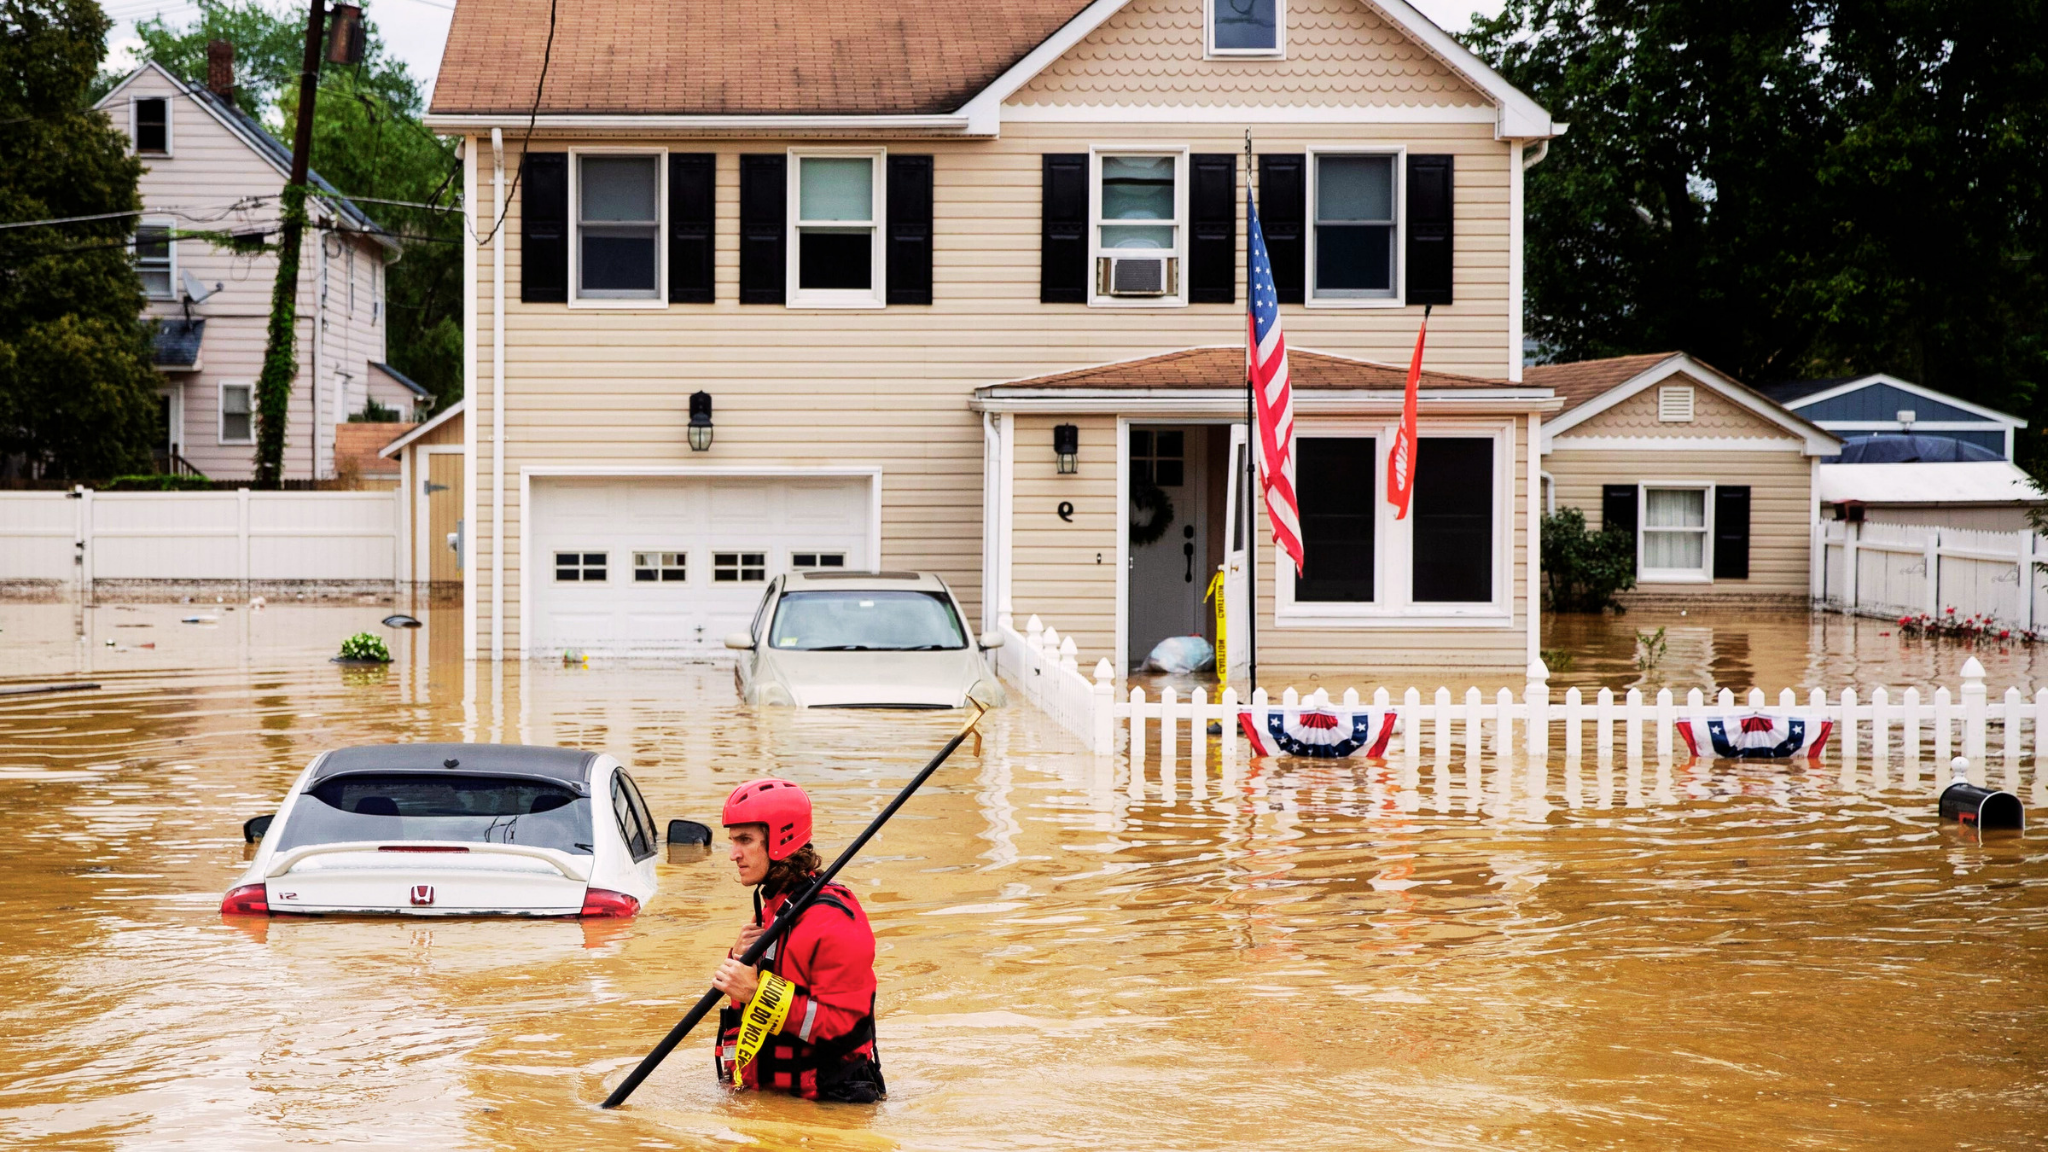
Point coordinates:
[[194, 290]]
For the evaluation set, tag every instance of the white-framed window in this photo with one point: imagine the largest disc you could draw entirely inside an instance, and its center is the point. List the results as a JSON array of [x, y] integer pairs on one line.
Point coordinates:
[[1354, 243], [661, 567], [156, 257], [237, 414], [739, 567], [1448, 562], [581, 567], [838, 255], [1675, 540], [618, 202], [1245, 27], [149, 125], [1674, 404], [1137, 225], [817, 561]]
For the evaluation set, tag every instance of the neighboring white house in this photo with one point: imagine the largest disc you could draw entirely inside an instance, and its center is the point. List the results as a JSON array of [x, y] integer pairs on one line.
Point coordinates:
[[1854, 407], [208, 167]]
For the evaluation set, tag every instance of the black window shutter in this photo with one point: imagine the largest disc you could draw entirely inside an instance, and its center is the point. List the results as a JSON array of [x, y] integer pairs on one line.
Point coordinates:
[[1618, 509], [1283, 217], [1731, 532], [1063, 238], [692, 206], [1429, 229], [910, 229], [1212, 228], [764, 196], [544, 228]]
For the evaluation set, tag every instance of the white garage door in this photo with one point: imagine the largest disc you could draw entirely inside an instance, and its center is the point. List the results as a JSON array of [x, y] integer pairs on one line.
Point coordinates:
[[667, 567]]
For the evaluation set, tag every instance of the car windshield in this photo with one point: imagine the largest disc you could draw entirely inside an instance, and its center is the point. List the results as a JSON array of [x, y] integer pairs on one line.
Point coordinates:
[[440, 806], [856, 621]]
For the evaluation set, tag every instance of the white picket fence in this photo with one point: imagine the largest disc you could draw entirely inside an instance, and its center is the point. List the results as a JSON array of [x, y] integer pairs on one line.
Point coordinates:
[[1175, 732], [1906, 570], [83, 536]]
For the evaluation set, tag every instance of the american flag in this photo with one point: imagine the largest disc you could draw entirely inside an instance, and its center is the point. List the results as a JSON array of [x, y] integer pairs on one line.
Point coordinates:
[[1266, 366]]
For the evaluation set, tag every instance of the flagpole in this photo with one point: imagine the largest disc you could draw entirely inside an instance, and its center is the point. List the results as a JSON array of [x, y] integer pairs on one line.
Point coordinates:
[[1251, 477]]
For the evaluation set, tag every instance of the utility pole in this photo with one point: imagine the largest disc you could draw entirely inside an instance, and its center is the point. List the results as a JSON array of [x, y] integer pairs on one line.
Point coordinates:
[[280, 348]]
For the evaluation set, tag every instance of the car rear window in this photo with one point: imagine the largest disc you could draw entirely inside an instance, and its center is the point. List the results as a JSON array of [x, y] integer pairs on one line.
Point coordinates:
[[440, 806], [866, 621]]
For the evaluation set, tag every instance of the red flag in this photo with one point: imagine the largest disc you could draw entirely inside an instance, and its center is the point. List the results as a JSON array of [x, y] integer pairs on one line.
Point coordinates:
[[1401, 461]]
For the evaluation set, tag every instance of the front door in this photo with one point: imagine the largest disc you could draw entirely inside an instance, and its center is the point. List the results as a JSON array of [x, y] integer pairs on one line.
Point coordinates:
[[1168, 525], [443, 489]]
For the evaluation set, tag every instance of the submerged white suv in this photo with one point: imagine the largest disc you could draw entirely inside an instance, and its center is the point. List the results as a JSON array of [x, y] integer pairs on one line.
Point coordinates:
[[863, 640], [453, 830]]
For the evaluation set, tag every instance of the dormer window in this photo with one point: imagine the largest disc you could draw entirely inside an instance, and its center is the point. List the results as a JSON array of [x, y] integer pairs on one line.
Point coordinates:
[[1246, 27]]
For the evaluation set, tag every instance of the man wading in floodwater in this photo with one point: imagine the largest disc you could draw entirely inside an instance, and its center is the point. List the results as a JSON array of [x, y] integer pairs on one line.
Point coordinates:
[[804, 1022]]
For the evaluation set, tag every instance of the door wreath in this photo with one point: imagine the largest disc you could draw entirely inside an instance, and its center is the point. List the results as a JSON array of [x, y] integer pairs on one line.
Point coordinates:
[[1151, 513]]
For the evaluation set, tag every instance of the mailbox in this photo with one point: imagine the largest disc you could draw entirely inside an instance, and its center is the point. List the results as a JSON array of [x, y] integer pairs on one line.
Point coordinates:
[[1984, 809]]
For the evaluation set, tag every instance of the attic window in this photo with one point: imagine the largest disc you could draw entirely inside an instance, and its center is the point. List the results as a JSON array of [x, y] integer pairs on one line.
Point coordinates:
[[152, 126], [1674, 404], [1246, 27]]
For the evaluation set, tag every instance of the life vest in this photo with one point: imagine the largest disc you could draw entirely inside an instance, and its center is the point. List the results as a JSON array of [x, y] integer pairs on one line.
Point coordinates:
[[846, 1067]]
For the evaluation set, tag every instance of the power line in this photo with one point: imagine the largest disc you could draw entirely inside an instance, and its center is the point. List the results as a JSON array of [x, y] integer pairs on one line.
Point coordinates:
[[532, 118]]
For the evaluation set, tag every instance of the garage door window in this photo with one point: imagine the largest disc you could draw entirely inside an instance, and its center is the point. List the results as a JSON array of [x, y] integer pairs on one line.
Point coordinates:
[[738, 567], [813, 561], [661, 567], [579, 567]]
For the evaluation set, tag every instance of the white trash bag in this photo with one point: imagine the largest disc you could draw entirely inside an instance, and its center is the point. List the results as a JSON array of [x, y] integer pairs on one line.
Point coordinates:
[[1180, 655]]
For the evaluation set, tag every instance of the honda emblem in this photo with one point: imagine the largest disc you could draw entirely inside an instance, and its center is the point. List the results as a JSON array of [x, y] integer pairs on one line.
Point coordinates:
[[423, 893]]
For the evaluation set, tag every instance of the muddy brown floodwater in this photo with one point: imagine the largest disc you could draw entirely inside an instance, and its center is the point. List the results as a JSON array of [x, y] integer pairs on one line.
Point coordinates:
[[1311, 956]]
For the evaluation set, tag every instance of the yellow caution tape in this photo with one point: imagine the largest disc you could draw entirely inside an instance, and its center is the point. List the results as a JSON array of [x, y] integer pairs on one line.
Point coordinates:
[[1215, 593], [762, 1019]]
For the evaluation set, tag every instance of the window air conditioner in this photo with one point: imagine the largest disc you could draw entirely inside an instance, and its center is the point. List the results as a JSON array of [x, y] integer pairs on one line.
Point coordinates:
[[1137, 275]]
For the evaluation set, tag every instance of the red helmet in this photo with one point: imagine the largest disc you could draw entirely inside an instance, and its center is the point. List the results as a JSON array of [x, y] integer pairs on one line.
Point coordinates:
[[779, 804]]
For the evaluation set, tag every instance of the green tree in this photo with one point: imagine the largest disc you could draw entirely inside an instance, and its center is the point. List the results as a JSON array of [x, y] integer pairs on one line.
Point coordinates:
[[367, 141], [77, 390], [1791, 188]]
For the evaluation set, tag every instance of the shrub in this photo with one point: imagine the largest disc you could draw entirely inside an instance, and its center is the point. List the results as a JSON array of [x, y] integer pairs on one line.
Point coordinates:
[[1583, 570], [159, 482], [363, 646]]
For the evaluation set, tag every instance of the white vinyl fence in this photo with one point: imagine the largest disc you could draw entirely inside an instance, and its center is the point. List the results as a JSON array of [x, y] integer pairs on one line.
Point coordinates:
[[83, 536], [1909, 570], [1175, 732]]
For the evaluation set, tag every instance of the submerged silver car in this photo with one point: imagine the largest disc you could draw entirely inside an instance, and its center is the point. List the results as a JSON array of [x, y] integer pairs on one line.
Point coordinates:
[[863, 640]]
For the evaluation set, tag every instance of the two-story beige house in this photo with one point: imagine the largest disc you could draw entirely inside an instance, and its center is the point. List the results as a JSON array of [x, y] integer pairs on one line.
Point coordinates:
[[960, 286], [209, 167]]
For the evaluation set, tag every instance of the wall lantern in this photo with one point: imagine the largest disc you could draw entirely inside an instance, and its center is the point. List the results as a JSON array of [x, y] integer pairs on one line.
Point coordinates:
[[1066, 444], [700, 421]]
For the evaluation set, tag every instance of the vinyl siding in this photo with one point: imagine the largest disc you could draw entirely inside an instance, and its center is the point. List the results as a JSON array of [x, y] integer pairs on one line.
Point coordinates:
[[1780, 515], [202, 185], [1055, 573], [1338, 52]]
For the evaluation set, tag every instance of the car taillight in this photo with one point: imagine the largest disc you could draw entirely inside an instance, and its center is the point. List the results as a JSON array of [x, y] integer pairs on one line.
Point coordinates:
[[598, 902], [248, 900]]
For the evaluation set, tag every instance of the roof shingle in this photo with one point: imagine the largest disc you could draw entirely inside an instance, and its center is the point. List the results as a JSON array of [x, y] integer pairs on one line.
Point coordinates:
[[764, 57], [1223, 367], [1583, 380]]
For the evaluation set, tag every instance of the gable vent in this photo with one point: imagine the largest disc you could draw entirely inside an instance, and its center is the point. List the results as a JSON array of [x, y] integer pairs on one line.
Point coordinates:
[[1674, 404]]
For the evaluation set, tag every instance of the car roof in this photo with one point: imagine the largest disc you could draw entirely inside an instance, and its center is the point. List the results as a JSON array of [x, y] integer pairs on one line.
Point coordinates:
[[568, 765], [864, 581]]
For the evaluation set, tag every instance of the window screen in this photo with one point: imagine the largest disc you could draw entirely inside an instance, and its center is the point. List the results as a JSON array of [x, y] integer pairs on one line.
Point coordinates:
[[620, 222], [1453, 514], [1354, 227], [1245, 25], [153, 125], [1336, 481], [579, 567], [835, 222]]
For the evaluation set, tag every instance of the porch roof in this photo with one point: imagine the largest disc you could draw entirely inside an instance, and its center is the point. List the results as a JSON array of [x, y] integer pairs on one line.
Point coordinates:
[[1208, 375]]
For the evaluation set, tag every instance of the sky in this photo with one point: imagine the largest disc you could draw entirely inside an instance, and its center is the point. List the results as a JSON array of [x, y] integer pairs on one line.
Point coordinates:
[[414, 30]]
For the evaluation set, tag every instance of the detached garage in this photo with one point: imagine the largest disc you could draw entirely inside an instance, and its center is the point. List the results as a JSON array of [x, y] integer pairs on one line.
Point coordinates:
[[667, 565]]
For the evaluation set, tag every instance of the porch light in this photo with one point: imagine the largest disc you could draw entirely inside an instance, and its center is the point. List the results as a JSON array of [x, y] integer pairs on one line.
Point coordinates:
[[1066, 444], [700, 421]]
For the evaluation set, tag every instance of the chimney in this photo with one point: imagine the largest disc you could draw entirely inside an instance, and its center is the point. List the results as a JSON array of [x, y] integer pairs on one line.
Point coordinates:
[[220, 68]]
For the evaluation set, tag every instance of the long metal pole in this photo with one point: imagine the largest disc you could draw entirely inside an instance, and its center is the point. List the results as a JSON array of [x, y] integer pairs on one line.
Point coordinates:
[[1251, 452], [783, 920]]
